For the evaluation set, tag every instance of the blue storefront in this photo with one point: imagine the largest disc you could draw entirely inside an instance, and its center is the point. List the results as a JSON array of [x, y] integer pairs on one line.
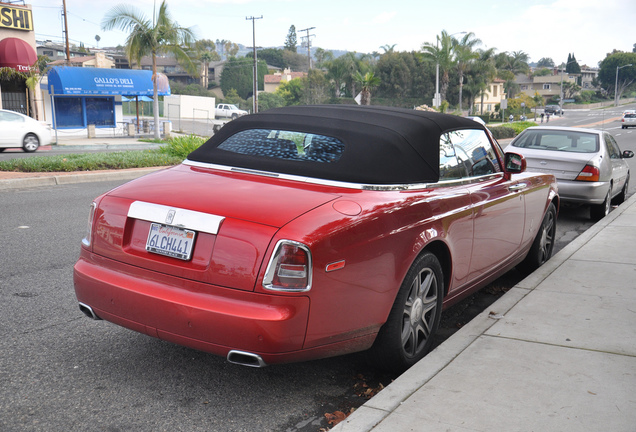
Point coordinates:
[[80, 97]]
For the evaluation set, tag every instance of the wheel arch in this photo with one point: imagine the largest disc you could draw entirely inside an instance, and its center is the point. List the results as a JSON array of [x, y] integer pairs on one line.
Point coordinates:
[[443, 255]]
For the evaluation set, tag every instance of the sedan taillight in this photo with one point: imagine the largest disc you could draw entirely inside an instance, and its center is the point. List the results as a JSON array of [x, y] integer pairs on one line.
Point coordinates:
[[86, 241], [289, 268], [590, 173]]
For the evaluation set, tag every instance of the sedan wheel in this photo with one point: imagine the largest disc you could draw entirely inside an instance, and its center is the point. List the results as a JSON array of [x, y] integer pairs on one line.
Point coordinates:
[[599, 211], [30, 143], [407, 335], [620, 198]]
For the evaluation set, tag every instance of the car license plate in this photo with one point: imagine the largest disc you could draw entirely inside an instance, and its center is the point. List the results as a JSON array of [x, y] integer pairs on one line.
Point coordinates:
[[170, 241]]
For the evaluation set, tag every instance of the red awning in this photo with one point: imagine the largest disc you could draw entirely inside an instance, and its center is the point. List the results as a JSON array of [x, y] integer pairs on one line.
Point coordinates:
[[17, 54]]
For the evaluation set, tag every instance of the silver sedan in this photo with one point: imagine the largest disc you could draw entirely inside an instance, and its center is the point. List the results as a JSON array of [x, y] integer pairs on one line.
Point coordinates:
[[587, 163]]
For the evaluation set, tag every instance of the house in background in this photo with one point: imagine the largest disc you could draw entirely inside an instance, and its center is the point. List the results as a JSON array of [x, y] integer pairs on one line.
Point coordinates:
[[99, 60], [272, 82], [492, 96]]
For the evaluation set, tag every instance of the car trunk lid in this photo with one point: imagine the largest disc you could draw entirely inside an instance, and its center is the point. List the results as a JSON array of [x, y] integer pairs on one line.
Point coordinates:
[[229, 219], [564, 166]]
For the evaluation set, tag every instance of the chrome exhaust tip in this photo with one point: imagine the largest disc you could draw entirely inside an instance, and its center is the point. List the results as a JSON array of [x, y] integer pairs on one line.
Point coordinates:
[[88, 311], [245, 359]]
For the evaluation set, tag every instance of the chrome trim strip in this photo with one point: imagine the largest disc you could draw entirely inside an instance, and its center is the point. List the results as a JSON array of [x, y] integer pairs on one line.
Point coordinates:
[[360, 186], [181, 218]]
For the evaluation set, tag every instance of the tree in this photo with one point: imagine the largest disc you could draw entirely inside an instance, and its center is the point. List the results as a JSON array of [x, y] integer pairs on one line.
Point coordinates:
[[572, 66], [161, 35], [206, 53], [269, 100], [322, 56], [510, 65], [291, 41], [441, 53], [367, 82], [464, 55], [238, 75], [545, 62], [607, 72], [292, 91], [480, 74], [271, 56]]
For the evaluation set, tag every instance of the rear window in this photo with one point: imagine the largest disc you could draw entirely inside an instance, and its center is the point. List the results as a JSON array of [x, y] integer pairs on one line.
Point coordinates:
[[630, 115], [286, 145], [565, 141]]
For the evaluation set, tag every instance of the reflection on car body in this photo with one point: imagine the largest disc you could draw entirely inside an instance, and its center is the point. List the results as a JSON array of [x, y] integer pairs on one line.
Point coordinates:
[[318, 231], [587, 163]]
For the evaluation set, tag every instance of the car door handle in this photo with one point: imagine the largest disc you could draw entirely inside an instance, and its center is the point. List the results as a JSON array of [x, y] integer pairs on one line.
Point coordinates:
[[517, 187]]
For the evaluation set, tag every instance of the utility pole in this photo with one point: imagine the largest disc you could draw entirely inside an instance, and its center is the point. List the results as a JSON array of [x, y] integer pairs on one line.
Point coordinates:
[[255, 79], [308, 44], [68, 51]]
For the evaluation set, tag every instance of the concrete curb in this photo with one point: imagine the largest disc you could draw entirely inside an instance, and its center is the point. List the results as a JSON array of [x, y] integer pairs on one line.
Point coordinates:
[[373, 412], [73, 178]]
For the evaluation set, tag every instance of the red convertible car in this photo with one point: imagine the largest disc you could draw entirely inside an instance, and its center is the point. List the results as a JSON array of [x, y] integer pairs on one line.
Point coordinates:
[[307, 232]]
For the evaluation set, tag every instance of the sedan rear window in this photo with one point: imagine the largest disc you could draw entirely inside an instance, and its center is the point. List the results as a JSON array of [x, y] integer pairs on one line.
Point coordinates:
[[565, 141], [288, 145]]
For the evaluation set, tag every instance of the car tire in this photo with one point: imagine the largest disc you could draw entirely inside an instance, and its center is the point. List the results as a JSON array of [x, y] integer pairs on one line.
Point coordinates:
[[599, 211], [2, 149], [30, 143], [234, 116], [543, 244], [408, 333], [620, 198]]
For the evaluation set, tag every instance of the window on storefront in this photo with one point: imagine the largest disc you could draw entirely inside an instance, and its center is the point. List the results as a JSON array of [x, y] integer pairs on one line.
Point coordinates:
[[100, 111], [78, 112]]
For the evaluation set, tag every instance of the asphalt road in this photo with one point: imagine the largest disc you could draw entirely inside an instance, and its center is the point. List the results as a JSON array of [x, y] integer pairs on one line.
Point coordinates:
[[62, 371]]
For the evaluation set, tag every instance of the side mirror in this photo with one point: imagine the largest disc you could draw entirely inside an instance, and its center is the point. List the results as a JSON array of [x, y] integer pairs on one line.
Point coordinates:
[[515, 163], [628, 154]]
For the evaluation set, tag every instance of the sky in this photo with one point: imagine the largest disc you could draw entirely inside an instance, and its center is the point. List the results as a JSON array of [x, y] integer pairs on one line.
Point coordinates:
[[543, 28]]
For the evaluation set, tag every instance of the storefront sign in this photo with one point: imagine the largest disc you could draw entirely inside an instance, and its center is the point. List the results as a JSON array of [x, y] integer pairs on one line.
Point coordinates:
[[16, 18]]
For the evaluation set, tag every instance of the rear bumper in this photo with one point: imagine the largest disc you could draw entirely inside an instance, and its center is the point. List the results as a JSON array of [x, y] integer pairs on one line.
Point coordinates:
[[200, 316], [581, 192]]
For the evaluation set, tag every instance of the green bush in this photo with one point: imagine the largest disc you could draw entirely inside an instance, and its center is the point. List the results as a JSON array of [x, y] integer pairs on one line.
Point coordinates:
[[502, 132], [182, 146], [90, 161]]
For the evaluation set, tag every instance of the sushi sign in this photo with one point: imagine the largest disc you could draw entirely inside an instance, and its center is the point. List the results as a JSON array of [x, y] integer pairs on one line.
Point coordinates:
[[16, 18]]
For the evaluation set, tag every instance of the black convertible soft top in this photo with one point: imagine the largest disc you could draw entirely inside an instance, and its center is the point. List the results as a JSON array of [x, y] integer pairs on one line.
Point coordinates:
[[382, 145]]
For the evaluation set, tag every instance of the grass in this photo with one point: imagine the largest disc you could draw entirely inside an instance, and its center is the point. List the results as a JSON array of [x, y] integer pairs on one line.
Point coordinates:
[[173, 153]]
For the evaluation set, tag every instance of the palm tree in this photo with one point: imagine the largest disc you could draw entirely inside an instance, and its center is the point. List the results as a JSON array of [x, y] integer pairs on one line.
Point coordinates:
[[464, 55], [206, 53], [441, 53], [368, 81], [161, 35]]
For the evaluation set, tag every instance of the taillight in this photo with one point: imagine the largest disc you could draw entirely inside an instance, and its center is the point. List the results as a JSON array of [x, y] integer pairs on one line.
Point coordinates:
[[589, 173], [289, 269], [86, 241]]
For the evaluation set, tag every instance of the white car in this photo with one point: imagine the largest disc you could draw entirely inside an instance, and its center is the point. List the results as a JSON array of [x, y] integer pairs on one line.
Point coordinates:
[[230, 111], [20, 131], [587, 163]]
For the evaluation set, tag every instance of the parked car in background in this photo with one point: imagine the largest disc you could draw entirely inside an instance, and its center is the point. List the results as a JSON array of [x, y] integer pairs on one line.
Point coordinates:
[[20, 131], [229, 111], [553, 109], [587, 163], [629, 119], [307, 232]]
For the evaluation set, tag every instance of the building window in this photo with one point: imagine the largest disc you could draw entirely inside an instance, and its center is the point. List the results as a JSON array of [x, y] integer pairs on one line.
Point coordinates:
[[78, 112], [100, 111], [494, 92], [546, 86], [523, 87]]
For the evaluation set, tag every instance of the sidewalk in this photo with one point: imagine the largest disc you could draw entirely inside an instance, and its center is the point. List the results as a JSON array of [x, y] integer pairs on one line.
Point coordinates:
[[555, 353]]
